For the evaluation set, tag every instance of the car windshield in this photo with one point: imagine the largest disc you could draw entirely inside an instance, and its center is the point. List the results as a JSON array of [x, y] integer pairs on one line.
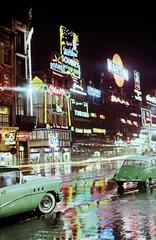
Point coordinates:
[[9, 178]]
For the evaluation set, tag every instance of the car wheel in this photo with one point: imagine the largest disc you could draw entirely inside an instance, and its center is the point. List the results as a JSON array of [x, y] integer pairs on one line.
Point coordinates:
[[142, 186], [120, 189], [148, 182], [47, 203]]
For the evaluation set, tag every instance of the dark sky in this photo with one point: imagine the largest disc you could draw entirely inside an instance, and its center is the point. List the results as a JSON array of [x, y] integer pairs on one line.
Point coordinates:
[[103, 30]]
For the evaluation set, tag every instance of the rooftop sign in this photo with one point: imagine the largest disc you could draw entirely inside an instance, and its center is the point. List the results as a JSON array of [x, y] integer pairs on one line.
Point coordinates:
[[120, 73]]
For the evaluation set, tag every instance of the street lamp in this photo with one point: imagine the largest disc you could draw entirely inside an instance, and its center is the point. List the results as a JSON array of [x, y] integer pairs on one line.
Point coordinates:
[[29, 70], [67, 95]]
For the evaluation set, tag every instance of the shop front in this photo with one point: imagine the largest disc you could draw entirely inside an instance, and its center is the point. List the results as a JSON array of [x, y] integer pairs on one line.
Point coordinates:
[[8, 145], [49, 145]]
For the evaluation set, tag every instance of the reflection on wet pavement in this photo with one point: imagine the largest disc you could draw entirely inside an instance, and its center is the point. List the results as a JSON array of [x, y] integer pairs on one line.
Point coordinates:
[[91, 210]]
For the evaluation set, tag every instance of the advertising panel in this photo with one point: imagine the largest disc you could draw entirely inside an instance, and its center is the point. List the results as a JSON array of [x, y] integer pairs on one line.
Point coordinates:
[[67, 62], [146, 117]]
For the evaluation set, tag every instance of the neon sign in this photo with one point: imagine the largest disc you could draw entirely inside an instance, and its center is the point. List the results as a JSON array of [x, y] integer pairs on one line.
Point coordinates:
[[80, 109], [65, 65], [93, 92], [94, 115], [146, 117], [99, 130], [151, 100], [59, 67], [102, 116], [55, 90], [117, 69], [83, 130], [69, 42], [81, 114], [77, 89], [137, 89], [117, 99]]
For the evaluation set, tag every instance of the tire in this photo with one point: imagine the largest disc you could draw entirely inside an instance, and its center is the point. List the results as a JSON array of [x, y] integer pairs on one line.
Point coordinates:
[[120, 189], [148, 183], [47, 203], [142, 186]]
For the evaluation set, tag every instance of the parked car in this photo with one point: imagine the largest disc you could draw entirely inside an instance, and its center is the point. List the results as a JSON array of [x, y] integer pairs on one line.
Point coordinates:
[[19, 194], [138, 169]]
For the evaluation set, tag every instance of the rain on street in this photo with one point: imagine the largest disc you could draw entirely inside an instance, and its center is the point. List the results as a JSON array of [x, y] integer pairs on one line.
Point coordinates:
[[90, 208]]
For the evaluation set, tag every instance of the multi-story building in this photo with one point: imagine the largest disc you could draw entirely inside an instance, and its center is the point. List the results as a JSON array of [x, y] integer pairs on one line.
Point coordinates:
[[15, 75], [51, 139], [7, 95], [54, 115]]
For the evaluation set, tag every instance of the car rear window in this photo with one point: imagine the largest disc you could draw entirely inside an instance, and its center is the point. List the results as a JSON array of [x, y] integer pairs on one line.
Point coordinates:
[[131, 162], [9, 178]]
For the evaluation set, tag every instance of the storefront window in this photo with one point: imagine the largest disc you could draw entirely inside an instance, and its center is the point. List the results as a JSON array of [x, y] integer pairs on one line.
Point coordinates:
[[4, 116]]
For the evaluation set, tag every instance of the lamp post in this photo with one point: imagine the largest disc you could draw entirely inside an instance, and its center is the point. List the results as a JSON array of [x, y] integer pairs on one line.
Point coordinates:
[[67, 95], [29, 70]]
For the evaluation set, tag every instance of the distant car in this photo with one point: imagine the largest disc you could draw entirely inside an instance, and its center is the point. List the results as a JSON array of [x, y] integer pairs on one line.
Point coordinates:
[[138, 169], [19, 194]]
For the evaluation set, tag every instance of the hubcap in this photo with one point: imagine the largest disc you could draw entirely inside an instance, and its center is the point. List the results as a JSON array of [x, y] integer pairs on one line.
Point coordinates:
[[46, 203]]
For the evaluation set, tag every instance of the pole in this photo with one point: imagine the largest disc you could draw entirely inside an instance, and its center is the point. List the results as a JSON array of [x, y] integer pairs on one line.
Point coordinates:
[[45, 106]]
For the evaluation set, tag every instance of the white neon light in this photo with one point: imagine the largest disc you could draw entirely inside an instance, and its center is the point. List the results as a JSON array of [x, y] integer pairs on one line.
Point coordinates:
[[29, 69], [55, 90], [117, 69], [93, 92], [117, 99], [151, 99], [134, 114], [77, 91], [81, 113]]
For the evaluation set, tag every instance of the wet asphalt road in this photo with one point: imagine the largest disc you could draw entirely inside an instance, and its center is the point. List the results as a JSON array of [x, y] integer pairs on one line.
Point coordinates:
[[90, 208]]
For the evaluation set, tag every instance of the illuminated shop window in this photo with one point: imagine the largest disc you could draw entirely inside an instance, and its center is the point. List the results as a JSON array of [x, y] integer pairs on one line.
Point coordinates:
[[4, 116], [4, 120], [20, 105]]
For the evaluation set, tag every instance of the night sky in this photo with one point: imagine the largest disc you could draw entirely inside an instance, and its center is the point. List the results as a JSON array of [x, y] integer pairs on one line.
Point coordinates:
[[103, 30]]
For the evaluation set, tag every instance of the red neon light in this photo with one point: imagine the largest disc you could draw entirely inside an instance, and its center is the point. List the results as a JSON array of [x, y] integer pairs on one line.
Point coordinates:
[[55, 90], [57, 74]]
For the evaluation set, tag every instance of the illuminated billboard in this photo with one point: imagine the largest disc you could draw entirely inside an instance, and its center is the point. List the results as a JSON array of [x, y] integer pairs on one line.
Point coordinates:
[[146, 117], [94, 92], [137, 88], [67, 62], [115, 66], [79, 108], [69, 42]]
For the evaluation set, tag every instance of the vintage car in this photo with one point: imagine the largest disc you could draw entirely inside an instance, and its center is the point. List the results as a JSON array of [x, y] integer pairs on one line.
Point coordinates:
[[19, 194], [140, 169]]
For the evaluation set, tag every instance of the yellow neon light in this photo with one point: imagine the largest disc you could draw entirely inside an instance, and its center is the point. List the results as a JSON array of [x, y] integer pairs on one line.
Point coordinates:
[[45, 107], [67, 95], [61, 36], [119, 81]]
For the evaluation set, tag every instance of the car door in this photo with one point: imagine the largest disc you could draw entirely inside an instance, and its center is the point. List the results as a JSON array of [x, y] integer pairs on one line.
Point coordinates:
[[15, 199]]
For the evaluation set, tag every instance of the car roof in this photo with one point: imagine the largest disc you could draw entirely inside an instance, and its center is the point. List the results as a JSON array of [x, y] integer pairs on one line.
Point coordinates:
[[8, 169], [140, 158]]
